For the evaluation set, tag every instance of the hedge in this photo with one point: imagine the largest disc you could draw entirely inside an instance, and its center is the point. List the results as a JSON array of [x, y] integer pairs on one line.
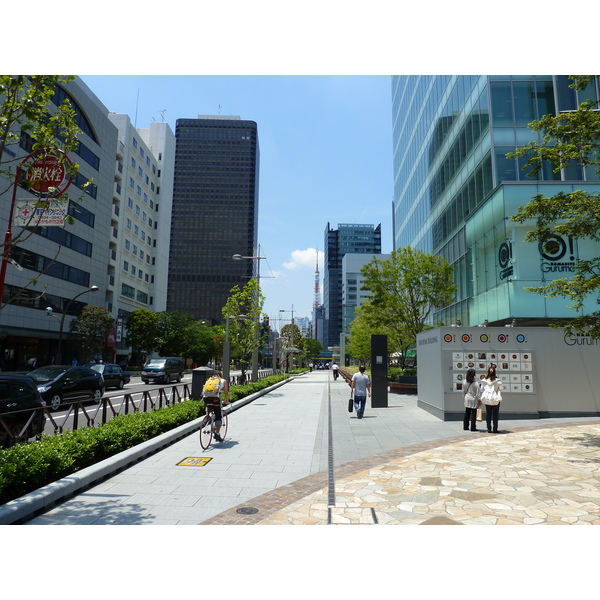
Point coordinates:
[[27, 467]]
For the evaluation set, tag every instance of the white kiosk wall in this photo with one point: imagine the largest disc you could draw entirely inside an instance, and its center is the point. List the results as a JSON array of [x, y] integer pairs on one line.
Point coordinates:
[[546, 373]]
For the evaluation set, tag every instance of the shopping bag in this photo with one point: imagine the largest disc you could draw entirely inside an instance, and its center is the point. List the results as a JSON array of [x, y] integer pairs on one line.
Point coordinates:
[[479, 414], [350, 404]]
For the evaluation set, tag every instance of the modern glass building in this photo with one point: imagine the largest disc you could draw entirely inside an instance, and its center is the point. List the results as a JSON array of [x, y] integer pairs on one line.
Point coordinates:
[[346, 239], [215, 213], [454, 189]]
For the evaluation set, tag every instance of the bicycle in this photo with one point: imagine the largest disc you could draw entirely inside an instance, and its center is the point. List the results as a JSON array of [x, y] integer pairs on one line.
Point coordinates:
[[208, 428]]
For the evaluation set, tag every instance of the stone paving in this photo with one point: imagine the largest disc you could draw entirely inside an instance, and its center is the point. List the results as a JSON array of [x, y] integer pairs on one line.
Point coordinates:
[[538, 475]]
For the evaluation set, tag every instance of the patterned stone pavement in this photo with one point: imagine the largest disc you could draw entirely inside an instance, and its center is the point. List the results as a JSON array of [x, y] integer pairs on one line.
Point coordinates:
[[538, 475]]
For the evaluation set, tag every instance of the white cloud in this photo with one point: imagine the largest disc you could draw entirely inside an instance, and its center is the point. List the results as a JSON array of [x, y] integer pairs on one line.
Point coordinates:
[[304, 258]]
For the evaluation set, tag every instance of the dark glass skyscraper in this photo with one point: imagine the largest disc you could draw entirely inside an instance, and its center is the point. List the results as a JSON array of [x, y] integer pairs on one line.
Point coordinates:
[[346, 239], [215, 213]]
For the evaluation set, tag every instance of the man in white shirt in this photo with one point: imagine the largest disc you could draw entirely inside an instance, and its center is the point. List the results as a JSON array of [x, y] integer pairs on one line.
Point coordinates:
[[360, 385]]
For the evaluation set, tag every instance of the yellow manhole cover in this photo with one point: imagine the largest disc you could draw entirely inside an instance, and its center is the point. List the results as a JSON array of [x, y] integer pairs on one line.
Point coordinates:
[[193, 461]]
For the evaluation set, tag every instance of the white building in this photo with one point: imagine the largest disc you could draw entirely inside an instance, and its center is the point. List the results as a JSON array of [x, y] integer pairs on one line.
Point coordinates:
[[141, 220]]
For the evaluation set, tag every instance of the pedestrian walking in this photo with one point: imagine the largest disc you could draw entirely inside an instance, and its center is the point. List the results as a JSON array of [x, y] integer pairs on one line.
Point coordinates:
[[359, 386], [471, 393], [491, 396]]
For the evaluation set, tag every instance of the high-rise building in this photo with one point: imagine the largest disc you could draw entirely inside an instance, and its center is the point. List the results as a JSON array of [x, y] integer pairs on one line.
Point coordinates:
[[215, 213], [141, 219], [346, 239], [352, 293], [67, 261], [455, 189]]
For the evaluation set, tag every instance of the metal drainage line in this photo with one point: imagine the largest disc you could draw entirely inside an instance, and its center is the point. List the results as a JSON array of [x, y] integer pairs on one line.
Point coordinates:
[[330, 477]]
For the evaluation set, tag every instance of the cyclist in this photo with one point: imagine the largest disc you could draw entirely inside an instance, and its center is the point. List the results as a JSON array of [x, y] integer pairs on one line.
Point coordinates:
[[336, 371], [212, 401]]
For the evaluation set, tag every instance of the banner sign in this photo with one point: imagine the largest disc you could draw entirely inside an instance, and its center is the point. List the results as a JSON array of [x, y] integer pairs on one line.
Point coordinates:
[[30, 212]]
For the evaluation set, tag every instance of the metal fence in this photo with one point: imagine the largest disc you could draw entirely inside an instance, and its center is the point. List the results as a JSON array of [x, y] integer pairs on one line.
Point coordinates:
[[84, 414]]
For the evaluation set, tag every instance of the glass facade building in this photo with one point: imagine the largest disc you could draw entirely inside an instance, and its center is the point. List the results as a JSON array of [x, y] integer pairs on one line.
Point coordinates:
[[215, 213], [346, 239], [455, 189]]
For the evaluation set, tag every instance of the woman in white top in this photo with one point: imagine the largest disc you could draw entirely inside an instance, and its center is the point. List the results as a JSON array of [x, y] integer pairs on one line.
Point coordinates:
[[471, 392], [491, 396]]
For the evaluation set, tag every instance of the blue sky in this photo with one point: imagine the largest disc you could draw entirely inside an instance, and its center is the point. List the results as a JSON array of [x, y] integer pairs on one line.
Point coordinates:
[[325, 156]]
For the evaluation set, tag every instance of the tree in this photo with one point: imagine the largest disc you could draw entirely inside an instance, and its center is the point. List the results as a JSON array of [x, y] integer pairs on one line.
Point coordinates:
[[245, 334], [141, 327], [199, 343], [311, 348], [29, 118], [290, 337], [568, 138], [171, 329], [405, 291], [92, 328]]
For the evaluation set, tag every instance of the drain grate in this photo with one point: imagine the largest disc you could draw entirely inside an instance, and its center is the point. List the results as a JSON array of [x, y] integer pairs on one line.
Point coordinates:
[[247, 510]]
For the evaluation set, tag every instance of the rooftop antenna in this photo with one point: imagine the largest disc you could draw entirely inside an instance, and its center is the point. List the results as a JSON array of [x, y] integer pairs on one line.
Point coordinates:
[[162, 114], [220, 109]]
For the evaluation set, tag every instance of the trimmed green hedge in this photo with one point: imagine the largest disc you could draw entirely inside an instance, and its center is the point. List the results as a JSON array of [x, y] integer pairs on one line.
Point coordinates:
[[27, 467]]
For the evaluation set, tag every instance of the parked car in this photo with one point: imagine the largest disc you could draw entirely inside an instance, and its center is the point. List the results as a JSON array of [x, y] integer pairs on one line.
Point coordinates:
[[163, 370], [113, 375], [62, 383], [18, 396]]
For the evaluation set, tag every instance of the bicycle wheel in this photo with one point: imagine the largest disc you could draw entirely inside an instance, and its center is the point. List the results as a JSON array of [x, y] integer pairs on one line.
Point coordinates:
[[223, 431], [206, 432]]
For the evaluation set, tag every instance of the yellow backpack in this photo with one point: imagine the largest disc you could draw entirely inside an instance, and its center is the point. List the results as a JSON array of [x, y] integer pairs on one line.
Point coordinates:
[[211, 387]]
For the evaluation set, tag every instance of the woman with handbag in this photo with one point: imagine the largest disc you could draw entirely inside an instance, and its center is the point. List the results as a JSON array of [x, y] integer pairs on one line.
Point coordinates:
[[491, 396], [471, 392]]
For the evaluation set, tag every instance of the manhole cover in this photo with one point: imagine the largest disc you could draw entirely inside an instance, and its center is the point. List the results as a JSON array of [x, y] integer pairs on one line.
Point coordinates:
[[247, 511]]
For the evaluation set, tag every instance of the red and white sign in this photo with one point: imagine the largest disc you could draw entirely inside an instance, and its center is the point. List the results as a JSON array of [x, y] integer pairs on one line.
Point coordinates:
[[46, 174]]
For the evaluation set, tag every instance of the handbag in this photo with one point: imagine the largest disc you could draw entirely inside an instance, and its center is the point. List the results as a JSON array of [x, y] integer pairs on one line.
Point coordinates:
[[350, 404]]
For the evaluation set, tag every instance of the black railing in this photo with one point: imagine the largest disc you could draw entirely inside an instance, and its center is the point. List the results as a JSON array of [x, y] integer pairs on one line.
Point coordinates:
[[82, 414]]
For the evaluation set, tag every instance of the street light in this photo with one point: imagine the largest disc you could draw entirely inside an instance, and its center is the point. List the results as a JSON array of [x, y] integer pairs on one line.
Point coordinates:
[[94, 288], [227, 346], [292, 311], [255, 349]]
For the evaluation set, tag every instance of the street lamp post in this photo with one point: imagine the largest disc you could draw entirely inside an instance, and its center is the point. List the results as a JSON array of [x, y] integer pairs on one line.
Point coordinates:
[[227, 346], [94, 288], [255, 350], [292, 341]]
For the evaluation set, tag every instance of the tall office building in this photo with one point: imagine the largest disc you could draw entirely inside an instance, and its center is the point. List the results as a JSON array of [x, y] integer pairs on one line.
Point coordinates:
[[215, 213], [346, 239], [455, 189]]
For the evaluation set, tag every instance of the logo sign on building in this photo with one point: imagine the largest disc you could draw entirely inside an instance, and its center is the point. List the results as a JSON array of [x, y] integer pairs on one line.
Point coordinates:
[[33, 213], [46, 174]]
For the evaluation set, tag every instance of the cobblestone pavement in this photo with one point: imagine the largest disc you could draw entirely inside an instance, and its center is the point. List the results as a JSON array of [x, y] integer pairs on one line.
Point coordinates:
[[537, 475]]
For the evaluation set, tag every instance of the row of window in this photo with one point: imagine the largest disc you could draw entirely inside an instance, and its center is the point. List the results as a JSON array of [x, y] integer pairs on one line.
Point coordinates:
[[49, 266], [130, 292]]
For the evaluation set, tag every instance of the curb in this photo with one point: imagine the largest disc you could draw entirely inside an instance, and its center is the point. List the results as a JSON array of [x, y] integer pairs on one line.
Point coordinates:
[[21, 509]]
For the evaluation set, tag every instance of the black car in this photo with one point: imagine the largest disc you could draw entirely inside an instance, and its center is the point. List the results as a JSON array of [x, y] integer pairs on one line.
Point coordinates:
[[18, 421], [113, 375], [61, 383]]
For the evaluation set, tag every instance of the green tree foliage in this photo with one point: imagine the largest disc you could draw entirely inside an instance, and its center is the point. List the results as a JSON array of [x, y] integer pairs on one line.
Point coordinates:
[[244, 334], [199, 343], [311, 348], [404, 292], [142, 332], [171, 327], [92, 328], [569, 138]]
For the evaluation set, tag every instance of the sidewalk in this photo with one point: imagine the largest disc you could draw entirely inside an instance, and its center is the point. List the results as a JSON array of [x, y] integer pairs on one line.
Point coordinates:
[[296, 456]]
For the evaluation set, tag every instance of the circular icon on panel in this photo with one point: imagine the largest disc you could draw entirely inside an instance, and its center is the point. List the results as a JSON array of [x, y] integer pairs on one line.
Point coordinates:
[[521, 338], [502, 338], [484, 337], [504, 254], [554, 248], [447, 338]]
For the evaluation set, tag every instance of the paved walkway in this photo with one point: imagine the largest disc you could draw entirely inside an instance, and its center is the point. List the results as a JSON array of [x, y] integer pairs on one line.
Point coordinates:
[[296, 456]]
